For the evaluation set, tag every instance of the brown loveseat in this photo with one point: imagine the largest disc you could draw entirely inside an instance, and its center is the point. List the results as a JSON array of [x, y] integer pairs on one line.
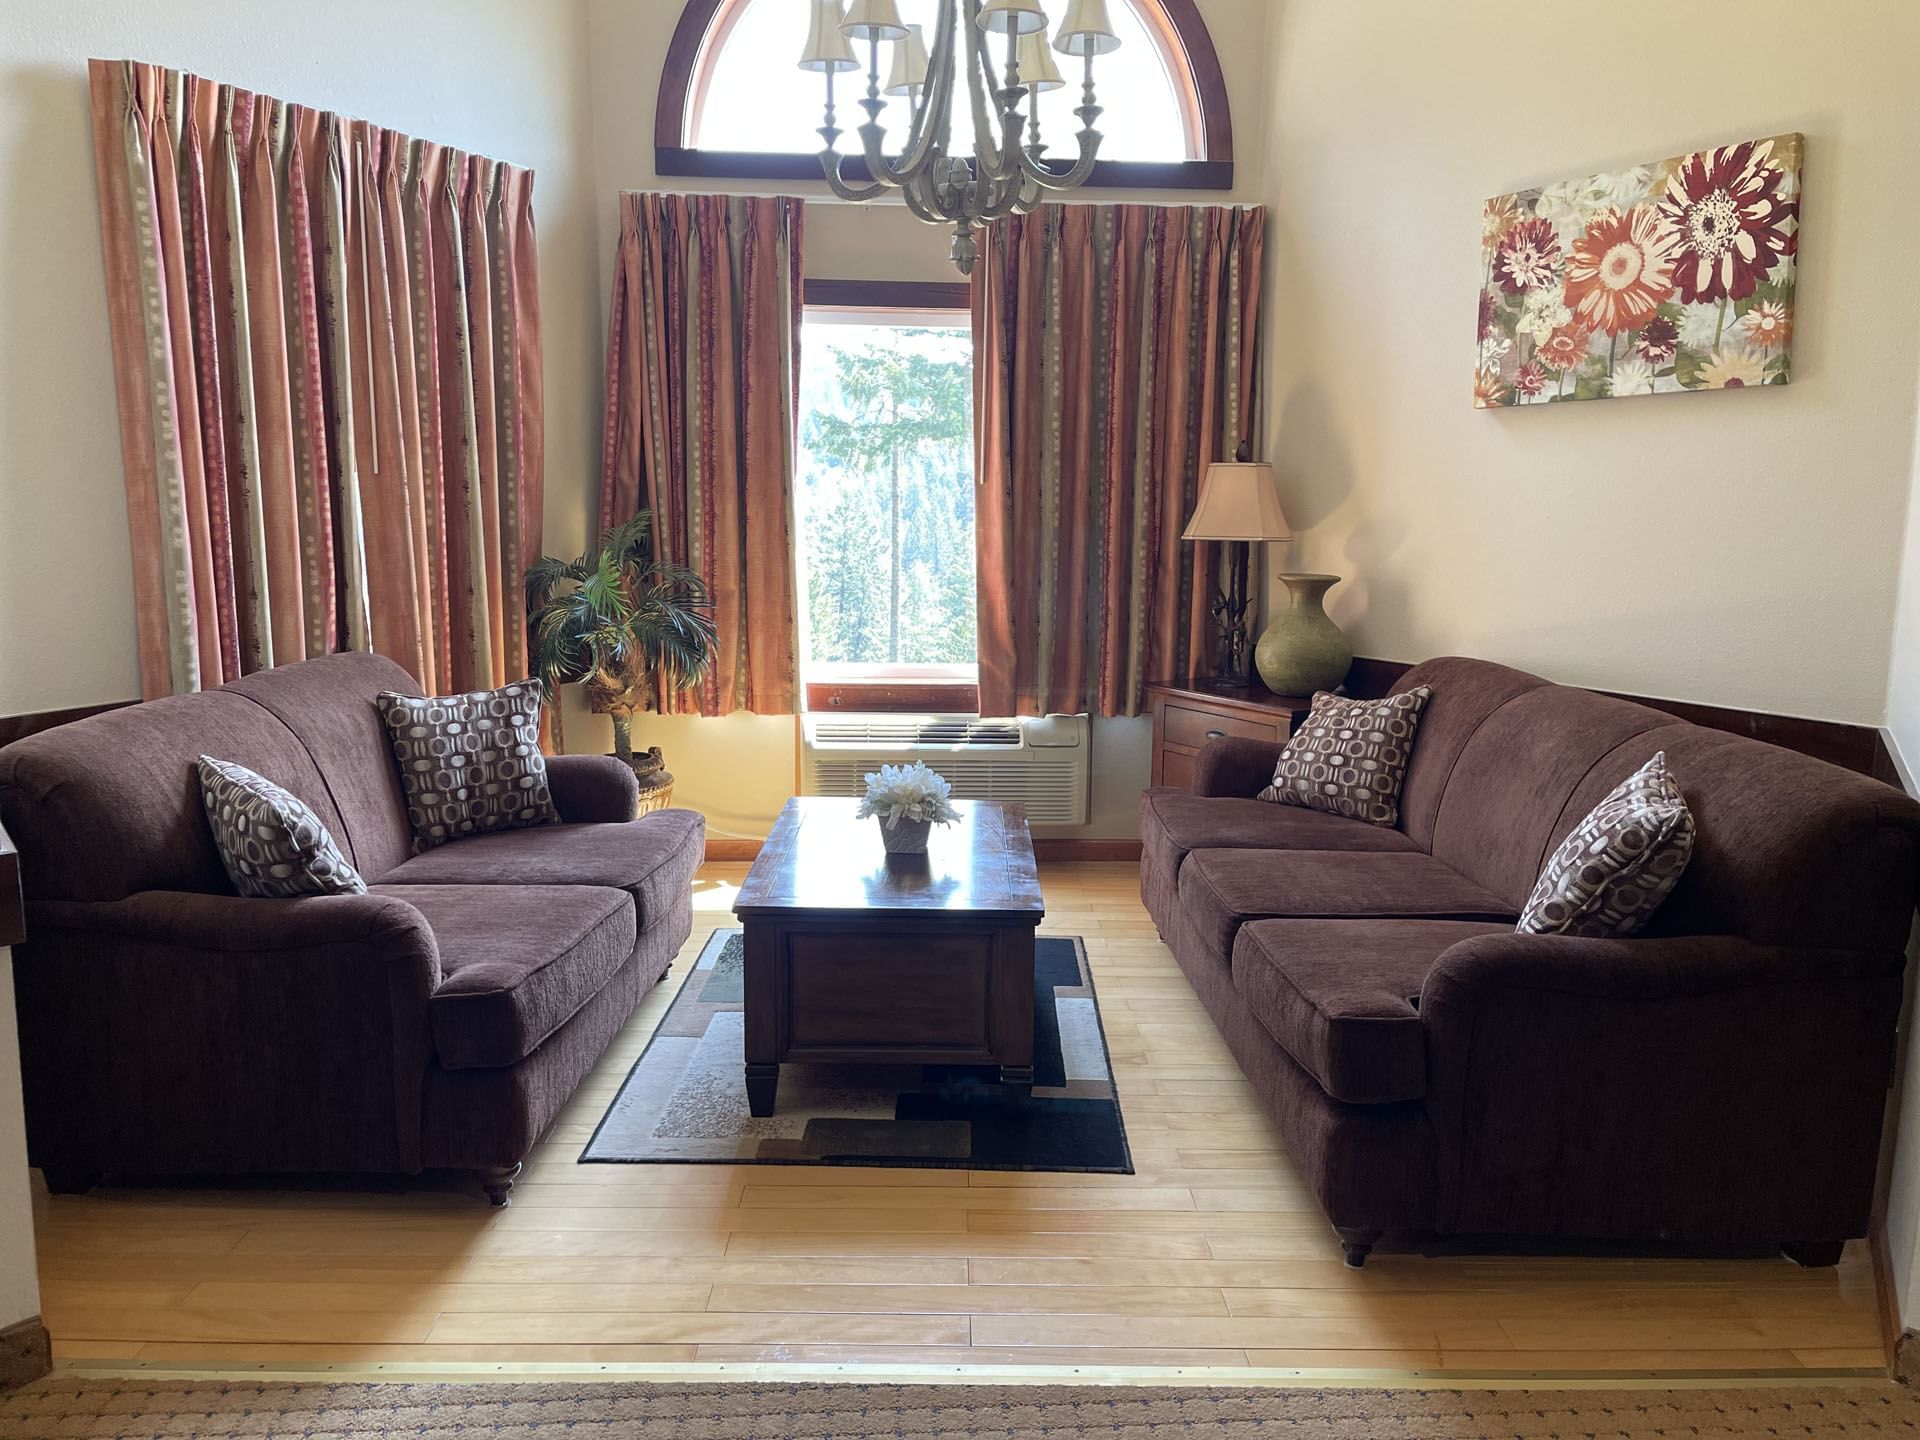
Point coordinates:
[[170, 1027], [1718, 1079]]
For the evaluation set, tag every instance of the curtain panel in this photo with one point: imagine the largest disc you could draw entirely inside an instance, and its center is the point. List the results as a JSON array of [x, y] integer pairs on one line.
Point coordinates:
[[326, 346], [1115, 355], [703, 347]]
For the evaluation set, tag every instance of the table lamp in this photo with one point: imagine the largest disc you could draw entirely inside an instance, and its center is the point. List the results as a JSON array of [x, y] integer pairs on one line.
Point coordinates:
[[1238, 504]]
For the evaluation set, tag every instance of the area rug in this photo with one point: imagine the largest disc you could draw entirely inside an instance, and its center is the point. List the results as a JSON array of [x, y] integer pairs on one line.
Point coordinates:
[[135, 1409], [685, 1100]]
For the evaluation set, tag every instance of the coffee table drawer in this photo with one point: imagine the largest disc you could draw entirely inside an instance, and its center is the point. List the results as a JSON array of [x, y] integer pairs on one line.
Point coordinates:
[[892, 992]]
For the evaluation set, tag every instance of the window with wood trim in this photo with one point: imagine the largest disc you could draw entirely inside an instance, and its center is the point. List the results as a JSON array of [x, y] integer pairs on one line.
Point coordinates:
[[734, 103], [884, 498]]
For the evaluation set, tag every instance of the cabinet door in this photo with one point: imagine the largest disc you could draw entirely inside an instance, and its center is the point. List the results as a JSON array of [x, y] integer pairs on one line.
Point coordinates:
[[1176, 768]]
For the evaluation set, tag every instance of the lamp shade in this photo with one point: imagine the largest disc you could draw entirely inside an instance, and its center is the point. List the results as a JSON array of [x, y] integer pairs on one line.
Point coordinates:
[[1087, 30], [909, 75], [1037, 70], [1238, 501], [873, 20], [827, 48], [1019, 17]]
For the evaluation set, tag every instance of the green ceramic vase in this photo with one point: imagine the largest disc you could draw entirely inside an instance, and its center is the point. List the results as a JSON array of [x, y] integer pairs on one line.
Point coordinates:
[[1303, 651]]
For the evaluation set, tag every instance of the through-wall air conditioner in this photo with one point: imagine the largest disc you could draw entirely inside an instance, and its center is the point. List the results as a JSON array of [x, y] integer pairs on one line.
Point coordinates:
[[1040, 762]]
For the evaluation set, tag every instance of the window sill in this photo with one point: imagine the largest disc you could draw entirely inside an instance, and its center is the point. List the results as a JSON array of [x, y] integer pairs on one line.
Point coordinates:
[[894, 697]]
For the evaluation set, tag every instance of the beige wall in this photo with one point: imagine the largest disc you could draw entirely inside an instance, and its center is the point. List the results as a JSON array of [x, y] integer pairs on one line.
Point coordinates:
[[501, 77], [740, 771], [1739, 549], [19, 1286]]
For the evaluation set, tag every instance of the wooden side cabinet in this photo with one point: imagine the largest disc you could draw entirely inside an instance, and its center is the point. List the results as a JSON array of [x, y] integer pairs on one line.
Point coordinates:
[[1184, 720]]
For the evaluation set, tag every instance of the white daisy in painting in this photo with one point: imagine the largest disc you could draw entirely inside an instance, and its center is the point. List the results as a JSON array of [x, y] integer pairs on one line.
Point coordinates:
[[1493, 350], [1734, 368], [1541, 315], [1631, 376]]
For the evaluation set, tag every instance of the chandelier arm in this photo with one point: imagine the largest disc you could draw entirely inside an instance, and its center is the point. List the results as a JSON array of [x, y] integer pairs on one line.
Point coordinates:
[[830, 161], [1038, 174]]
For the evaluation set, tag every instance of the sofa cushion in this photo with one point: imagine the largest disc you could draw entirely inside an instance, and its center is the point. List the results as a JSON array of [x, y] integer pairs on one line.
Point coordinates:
[[327, 704], [516, 962], [1173, 822], [470, 764], [273, 845], [1220, 890], [652, 858], [1616, 866], [110, 805], [1349, 757], [1342, 997]]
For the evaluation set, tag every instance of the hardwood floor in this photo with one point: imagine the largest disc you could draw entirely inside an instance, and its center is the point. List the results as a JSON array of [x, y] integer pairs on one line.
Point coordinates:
[[1213, 1254]]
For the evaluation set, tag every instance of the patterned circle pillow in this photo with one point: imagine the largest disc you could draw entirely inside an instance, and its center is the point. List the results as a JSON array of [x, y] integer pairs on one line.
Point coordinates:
[[273, 845], [1611, 873], [1349, 757], [470, 763]]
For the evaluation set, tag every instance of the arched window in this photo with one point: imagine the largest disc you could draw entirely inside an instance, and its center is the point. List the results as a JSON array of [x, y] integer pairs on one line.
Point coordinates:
[[734, 103]]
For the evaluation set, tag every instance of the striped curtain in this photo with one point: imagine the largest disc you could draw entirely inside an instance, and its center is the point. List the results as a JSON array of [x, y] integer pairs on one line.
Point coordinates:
[[327, 353], [1114, 358], [703, 348]]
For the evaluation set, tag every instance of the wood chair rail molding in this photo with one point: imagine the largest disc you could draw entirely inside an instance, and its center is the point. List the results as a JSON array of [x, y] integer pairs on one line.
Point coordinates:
[[1177, 29]]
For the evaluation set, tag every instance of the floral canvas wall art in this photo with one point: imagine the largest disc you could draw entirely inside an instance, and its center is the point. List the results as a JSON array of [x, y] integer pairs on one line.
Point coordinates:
[[1652, 279]]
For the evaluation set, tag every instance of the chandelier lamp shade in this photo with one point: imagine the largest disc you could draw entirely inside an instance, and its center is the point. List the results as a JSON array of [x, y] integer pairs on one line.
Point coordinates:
[[1001, 49]]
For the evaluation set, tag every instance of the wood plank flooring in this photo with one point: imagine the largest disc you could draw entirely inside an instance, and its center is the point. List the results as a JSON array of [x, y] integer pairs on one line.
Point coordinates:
[[1214, 1254]]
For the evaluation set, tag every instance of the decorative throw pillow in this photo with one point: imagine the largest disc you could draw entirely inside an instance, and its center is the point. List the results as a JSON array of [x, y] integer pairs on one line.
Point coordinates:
[[273, 845], [469, 763], [1348, 757], [1611, 873]]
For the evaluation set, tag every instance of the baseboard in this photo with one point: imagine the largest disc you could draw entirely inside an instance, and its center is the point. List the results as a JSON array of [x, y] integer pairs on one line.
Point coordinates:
[[26, 1352], [1887, 1300], [1051, 849]]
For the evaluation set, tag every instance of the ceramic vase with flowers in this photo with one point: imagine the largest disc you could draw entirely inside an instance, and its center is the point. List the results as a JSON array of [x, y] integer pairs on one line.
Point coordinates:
[[908, 801]]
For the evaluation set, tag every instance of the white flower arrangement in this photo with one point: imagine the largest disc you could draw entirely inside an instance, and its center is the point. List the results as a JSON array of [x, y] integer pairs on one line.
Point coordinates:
[[908, 792]]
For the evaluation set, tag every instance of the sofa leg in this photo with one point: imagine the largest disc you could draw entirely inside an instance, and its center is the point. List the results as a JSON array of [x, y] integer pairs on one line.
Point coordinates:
[[1358, 1244], [498, 1183], [1813, 1254], [63, 1181]]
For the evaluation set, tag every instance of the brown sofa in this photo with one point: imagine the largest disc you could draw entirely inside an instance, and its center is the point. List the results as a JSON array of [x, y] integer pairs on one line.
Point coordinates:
[[170, 1027], [1718, 1079]]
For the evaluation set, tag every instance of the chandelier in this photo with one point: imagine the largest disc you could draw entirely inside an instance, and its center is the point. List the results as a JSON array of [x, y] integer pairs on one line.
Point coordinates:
[[1007, 173]]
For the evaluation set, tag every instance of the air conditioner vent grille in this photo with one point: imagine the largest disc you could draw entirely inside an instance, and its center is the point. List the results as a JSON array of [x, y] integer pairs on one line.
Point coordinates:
[[1047, 771], [915, 730]]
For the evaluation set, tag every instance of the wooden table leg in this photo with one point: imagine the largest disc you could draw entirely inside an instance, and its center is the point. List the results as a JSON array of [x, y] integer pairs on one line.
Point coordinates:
[[1013, 1004], [761, 999], [762, 1082]]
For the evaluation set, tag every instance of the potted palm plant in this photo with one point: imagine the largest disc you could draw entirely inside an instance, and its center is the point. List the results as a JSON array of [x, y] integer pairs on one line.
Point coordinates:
[[621, 622]]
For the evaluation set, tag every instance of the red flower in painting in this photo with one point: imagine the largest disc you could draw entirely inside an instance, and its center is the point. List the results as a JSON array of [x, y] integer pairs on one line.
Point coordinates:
[[1528, 255], [1659, 340], [1620, 269], [1565, 348], [1730, 219], [1530, 378], [1488, 302]]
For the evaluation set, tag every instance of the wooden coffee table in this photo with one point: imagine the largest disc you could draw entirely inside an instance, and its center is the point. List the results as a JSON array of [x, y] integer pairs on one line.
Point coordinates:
[[857, 957]]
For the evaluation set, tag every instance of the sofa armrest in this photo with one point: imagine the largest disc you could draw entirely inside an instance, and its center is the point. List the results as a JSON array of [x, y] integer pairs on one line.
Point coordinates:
[[1235, 766], [172, 1032], [383, 926], [592, 789], [1696, 1087]]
